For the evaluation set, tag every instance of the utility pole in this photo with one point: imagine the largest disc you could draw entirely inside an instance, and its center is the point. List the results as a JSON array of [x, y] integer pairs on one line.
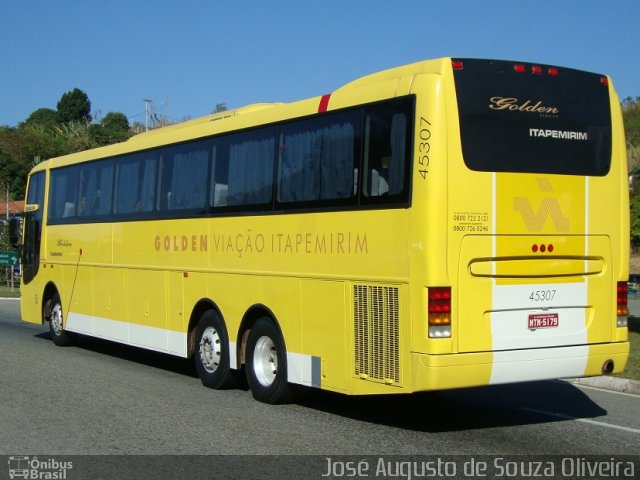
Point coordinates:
[[147, 102], [6, 186], [165, 112]]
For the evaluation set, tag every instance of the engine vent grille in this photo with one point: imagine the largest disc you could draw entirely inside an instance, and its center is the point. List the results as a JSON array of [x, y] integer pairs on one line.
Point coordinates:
[[377, 337]]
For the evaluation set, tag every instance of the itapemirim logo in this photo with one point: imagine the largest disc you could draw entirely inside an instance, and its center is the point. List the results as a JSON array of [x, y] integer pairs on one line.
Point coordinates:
[[35, 469], [549, 207]]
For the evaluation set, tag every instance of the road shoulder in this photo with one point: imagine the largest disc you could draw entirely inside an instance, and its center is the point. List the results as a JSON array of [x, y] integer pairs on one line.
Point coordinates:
[[615, 384]]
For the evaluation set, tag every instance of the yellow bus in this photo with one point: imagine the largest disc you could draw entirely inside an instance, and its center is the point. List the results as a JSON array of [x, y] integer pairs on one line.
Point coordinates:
[[450, 223]]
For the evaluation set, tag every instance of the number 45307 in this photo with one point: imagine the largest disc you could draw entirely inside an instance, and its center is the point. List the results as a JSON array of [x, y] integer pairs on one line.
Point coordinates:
[[542, 295]]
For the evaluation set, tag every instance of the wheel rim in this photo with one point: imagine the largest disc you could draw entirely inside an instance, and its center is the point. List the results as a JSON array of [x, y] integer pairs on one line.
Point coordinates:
[[56, 319], [265, 361], [210, 349]]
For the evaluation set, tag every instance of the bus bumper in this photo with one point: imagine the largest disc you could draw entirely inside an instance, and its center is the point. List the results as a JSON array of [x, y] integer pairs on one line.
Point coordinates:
[[443, 372]]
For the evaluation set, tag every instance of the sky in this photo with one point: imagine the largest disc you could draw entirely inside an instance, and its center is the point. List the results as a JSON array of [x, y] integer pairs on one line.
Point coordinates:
[[189, 55]]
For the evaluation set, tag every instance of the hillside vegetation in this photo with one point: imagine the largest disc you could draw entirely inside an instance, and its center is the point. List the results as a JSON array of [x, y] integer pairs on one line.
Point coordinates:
[[48, 133], [631, 113]]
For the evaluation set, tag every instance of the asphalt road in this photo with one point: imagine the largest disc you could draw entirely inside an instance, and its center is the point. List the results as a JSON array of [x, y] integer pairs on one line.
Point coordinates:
[[101, 398]]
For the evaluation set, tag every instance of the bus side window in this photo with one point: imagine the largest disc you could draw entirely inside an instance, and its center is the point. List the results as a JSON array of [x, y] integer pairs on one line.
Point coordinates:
[[64, 192], [243, 169], [251, 160], [183, 182], [96, 186], [317, 159], [219, 174], [136, 184], [220, 191], [386, 149]]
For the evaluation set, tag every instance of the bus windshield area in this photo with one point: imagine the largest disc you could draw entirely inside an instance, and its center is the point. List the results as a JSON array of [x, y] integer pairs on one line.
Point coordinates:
[[521, 117]]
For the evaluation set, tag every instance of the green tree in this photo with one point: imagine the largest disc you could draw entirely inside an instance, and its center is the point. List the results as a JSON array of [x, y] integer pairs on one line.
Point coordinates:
[[116, 122], [113, 128], [635, 220], [631, 114], [76, 137], [74, 106], [44, 117], [21, 148], [47, 133]]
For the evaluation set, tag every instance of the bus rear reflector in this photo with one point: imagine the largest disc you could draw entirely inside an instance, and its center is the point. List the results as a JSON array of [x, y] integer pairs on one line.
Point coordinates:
[[439, 306], [622, 304]]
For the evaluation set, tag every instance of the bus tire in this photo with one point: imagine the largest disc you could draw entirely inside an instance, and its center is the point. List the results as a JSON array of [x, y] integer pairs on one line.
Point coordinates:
[[211, 354], [266, 363], [56, 323]]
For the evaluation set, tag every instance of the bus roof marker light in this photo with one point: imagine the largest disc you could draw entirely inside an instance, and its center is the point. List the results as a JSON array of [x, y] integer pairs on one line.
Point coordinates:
[[604, 81], [553, 71], [519, 68], [457, 65], [536, 70]]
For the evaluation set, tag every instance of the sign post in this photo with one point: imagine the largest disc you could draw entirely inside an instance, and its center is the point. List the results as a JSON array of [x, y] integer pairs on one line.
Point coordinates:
[[9, 259]]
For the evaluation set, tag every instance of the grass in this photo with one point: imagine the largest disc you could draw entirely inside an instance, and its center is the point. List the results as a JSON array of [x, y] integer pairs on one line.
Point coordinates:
[[633, 365], [6, 292]]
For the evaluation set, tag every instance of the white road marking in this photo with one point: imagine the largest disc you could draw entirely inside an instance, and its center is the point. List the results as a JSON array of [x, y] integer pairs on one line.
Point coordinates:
[[583, 420]]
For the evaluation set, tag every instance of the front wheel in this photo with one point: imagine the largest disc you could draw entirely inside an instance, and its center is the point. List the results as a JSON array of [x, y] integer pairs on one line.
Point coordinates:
[[212, 352], [56, 323], [266, 364]]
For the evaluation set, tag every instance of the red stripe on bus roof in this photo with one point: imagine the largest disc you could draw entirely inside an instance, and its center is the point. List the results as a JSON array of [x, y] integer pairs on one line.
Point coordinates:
[[324, 103]]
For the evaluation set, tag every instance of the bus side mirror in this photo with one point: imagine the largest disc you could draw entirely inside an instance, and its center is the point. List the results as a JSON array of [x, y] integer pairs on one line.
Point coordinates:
[[15, 231]]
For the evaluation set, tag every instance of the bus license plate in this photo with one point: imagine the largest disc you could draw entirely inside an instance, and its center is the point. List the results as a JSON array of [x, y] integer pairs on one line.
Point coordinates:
[[543, 320]]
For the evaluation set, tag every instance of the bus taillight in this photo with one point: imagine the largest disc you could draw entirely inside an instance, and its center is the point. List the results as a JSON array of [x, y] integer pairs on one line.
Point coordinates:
[[439, 306], [623, 306]]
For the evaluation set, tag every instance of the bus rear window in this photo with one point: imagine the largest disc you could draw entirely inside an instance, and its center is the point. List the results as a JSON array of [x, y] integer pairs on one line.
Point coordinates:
[[518, 117]]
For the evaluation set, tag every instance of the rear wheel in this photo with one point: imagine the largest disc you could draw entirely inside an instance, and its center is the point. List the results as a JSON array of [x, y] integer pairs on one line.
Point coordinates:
[[266, 363], [212, 351], [56, 323]]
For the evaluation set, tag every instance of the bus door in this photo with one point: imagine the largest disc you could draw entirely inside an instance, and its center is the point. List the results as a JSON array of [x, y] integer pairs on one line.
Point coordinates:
[[533, 260], [33, 227]]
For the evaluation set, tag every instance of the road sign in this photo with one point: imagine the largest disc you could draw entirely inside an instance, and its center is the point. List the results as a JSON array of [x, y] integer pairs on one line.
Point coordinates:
[[8, 259]]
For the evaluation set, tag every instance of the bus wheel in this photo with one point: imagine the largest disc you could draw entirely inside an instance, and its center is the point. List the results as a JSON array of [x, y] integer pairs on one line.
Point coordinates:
[[56, 323], [266, 365], [212, 351]]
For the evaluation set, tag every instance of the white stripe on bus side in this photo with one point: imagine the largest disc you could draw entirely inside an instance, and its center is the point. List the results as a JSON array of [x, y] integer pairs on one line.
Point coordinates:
[[152, 338], [302, 369]]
